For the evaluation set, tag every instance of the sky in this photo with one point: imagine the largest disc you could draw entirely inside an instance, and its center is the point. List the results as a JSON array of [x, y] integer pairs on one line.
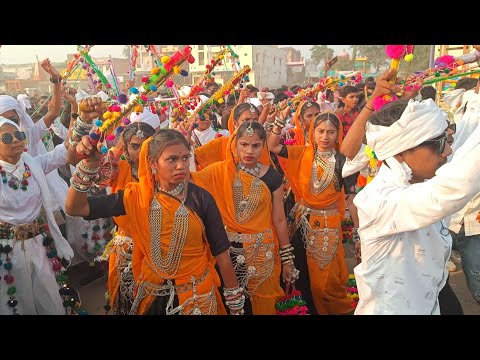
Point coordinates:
[[21, 54]]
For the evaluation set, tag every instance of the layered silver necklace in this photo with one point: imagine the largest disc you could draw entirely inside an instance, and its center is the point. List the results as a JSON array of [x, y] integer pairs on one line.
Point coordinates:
[[245, 206], [316, 185]]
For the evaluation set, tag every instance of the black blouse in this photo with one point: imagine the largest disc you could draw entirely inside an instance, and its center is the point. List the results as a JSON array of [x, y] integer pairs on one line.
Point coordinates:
[[272, 179], [198, 199], [349, 182]]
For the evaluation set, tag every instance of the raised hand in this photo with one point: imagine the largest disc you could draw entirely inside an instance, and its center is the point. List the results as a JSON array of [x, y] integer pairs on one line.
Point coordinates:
[[86, 150], [91, 108], [50, 69]]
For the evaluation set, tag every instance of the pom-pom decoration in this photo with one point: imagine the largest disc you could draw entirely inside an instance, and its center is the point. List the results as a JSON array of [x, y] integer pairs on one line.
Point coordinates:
[[395, 52], [292, 303], [122, 98], [133, 90], [380, 102], [165, 59], [442, 61]]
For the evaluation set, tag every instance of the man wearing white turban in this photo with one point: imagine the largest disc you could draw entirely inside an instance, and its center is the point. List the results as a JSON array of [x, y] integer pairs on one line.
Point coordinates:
[[30, 279], [405, 242], [13, 110], [147, 117], [24, 102]]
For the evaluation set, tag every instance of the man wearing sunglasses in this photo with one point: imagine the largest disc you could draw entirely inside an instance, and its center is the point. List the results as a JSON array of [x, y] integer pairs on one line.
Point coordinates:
[[26, 245], [405, 243]]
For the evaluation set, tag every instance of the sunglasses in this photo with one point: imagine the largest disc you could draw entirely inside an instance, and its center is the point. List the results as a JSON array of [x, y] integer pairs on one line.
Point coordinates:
[[440, 141], [7, 138]]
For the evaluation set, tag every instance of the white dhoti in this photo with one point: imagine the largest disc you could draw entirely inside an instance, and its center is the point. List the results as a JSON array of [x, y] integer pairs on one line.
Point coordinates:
[[34, 279]]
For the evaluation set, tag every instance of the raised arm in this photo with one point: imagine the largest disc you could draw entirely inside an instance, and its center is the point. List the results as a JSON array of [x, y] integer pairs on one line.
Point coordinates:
[[55, 105]]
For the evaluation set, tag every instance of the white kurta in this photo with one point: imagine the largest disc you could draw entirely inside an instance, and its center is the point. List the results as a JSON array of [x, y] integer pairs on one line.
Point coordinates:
[[37, 289], [404, 254]]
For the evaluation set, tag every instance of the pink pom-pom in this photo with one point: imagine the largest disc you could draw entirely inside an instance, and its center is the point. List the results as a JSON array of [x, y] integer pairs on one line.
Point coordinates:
[[57, 267], [108, 86], [395, 51], [144, 98], [169, 83], [410, 49], [110, 137], [416, 86], [408, 87], [126, 121], [379, 102], [443, 61], [116, 108]]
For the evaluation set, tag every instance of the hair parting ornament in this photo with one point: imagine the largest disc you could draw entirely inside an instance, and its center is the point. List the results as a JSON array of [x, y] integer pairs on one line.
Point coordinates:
[[140, 134], [249, 132]]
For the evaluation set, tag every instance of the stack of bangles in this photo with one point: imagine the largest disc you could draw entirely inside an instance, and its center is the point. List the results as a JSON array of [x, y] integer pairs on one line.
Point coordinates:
[[279, 123], [83, 177], [286, 255], [268, 126], [235, 300], [355, 235], [79, 130]]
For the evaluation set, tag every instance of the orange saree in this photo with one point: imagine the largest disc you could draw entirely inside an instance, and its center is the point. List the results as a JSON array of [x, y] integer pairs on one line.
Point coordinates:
[[318, 217], [121, 246], [170, 246], [255, 258]]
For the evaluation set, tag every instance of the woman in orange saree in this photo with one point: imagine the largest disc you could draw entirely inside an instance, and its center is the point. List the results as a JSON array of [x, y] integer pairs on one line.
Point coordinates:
[[314, 172], [175, 226], [216, 149], [118, 252], [248, 193]]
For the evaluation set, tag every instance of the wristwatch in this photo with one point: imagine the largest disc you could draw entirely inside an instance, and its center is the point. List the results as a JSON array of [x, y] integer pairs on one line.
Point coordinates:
[[55, 81]]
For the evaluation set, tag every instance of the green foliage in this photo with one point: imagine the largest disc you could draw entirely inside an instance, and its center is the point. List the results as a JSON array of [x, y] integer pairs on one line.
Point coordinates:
[[374, 53], [321, 53]]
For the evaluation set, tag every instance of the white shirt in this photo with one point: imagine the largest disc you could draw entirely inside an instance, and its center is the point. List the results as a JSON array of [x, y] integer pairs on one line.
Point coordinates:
[[34, 135], [465, 127], [358, 164], [404, 254], [59, 130], [209, 134], [21, 207]]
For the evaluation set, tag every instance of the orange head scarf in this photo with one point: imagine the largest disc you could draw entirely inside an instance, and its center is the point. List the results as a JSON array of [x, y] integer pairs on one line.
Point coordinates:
[[231, 120], [299, 130], [231, 158], [329, 116]]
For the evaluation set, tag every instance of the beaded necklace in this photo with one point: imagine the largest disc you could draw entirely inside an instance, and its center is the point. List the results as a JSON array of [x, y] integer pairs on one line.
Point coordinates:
[[14, 183]]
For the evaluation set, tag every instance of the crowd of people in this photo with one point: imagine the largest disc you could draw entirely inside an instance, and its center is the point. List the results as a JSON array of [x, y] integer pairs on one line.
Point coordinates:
[[231, 211]]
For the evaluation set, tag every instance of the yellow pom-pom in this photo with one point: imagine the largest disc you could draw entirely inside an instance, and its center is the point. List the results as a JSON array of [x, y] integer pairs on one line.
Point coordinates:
[[351, 276], [138, 108], [165, 59], [408, 57], [176, 70], [386, 97], [155, 71], [355, 296], [220, 101], [221, 57], [107, 115]]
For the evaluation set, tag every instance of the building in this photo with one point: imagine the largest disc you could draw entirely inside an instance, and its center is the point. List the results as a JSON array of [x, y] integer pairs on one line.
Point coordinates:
[[267, 63]]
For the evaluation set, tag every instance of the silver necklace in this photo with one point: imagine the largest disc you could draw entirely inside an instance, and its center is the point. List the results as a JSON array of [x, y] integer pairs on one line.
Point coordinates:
[[324, 154], [254, 172], [177, 191]]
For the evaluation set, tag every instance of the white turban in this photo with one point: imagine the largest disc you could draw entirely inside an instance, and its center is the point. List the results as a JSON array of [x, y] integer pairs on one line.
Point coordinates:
[[453, 97], [8, 103], [421, 121], [4, 121], [24, 102], [147, 117]]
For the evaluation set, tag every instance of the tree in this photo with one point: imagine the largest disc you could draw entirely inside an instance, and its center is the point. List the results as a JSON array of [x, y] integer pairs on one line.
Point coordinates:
[[374, 53], [343, 64], [420, 62], [320, 53], [126, 51]]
